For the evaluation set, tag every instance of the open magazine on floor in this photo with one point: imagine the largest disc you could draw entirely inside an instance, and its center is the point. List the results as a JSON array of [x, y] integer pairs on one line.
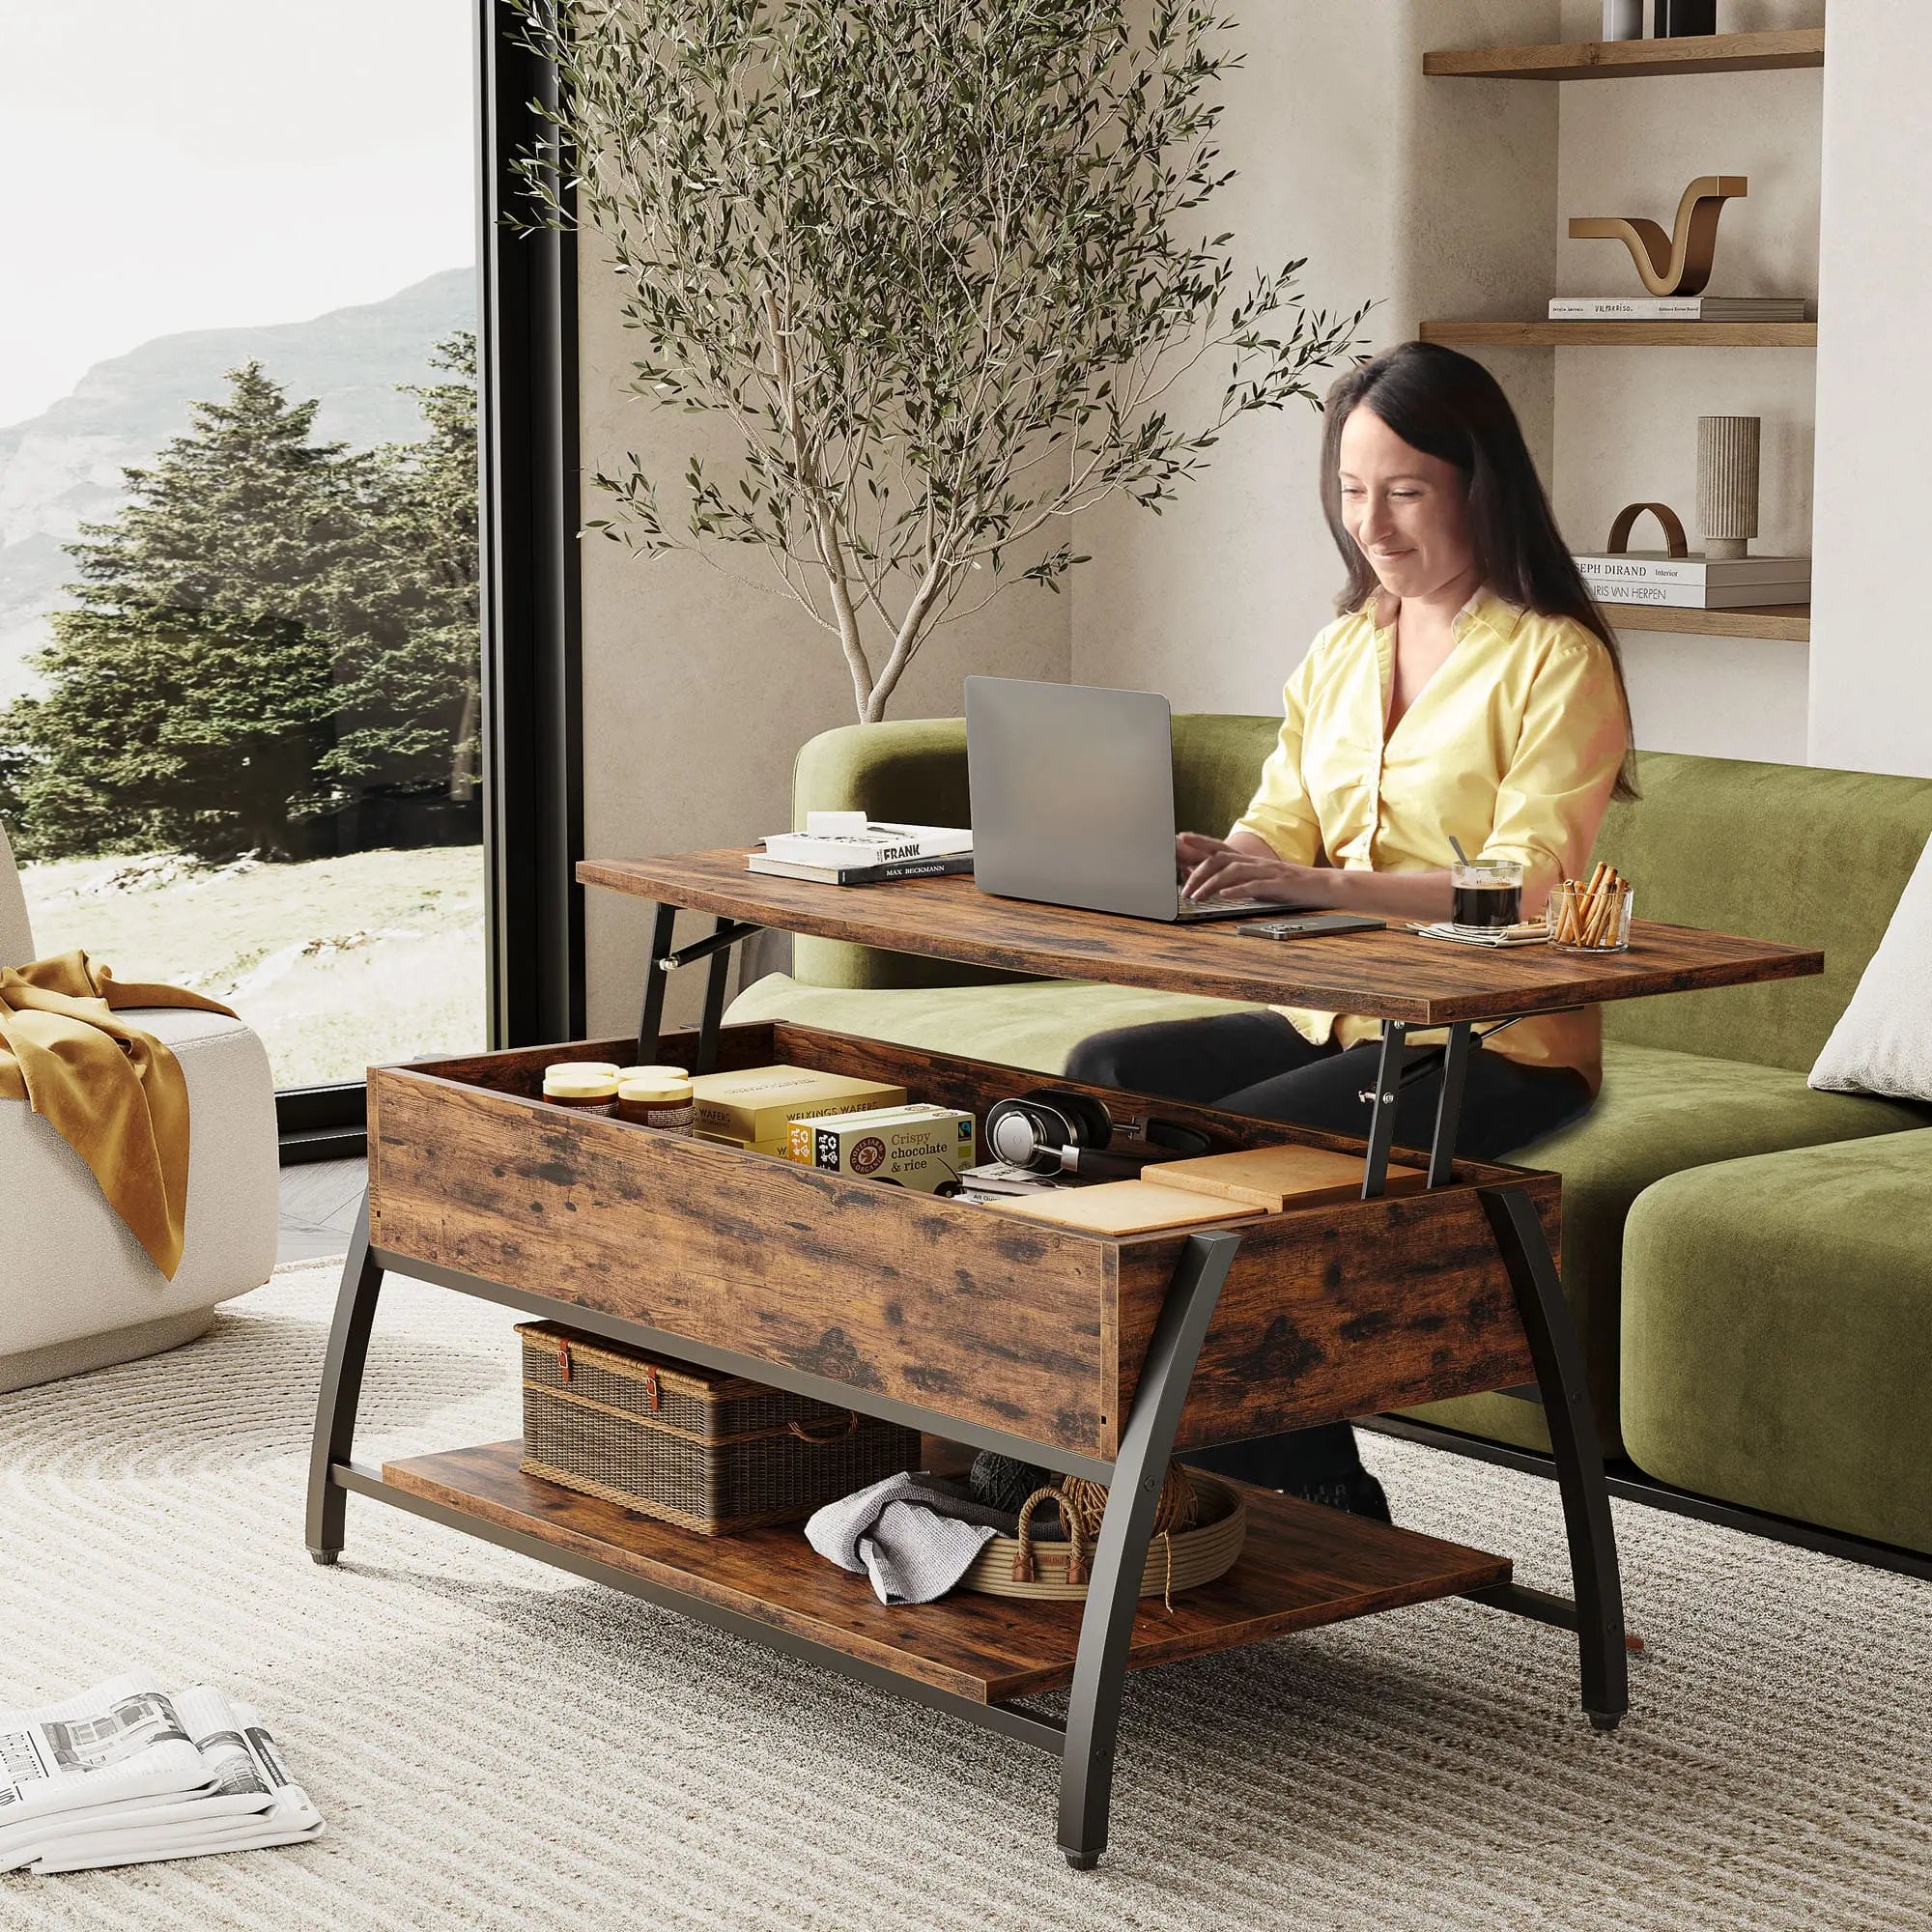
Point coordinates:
[[126, 1772]]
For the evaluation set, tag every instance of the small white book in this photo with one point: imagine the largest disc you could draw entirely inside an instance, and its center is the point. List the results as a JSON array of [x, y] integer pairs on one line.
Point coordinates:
[[1676, 308], [1701, 596], [1655, 566], [862, 841]]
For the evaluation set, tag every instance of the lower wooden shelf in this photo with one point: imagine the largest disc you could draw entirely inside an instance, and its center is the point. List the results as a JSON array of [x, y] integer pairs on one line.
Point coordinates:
[[1301, 1565], [1785, 623], [1624, 334]]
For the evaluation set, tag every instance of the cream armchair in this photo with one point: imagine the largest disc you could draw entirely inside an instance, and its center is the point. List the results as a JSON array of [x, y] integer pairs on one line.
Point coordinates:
[[77, 1291]]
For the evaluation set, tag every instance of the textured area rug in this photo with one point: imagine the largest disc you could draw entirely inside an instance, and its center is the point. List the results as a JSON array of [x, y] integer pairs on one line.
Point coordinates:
[[495, 1743]]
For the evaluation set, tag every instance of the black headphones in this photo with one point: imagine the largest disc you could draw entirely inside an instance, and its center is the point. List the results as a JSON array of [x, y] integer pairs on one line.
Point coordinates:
[[1056, 1130]]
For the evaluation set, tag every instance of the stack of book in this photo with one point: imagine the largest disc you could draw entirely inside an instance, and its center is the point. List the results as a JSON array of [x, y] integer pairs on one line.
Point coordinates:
[[1677, 308], [1696, 583], [845, 848]]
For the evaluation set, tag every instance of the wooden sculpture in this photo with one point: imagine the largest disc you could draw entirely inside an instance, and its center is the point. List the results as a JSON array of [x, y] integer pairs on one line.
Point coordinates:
[[1667, 521], [1677, 264]]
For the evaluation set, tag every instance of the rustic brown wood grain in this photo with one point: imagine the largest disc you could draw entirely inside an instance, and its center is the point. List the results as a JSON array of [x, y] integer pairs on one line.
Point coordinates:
[[979, 1315], [966, 1309], [1337, 1311], [1302, 1566], [1630, 60], [1389, 975]]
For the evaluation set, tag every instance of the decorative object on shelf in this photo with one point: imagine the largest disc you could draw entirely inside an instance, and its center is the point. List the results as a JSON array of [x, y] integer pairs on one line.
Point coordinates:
[[1667, 521], [1623, 19], [1673, 19], [692, 1446], [1727, 453], [1677, 264], [1183, 1556]]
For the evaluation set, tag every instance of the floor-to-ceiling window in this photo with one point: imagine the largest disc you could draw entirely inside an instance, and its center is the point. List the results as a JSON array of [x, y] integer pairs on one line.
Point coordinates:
[[239, 699]]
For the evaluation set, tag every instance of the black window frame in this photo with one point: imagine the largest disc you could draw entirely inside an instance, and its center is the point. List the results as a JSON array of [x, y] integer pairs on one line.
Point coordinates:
[[530, 609]]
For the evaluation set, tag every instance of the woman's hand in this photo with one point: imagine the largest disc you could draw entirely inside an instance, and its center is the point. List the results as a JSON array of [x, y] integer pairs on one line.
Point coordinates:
[[1228, 871], [1244, 867]]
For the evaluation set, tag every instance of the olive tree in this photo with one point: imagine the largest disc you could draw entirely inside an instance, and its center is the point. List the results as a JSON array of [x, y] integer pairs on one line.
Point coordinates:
[[944, 265]]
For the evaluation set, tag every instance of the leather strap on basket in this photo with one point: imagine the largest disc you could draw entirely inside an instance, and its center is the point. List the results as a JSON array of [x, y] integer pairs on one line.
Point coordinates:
[[838, 1433], [1025, 1568]]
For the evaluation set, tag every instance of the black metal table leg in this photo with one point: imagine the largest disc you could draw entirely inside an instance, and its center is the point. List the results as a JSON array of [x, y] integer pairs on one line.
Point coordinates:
[[1449, 1105], [1113, 1595], [718, 973], [1575, 1446], [1383, 1106], [341, 1391], [651, 1026]]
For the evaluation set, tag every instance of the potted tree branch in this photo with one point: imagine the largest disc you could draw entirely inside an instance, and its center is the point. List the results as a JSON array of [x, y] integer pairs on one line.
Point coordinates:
[[942, 265]]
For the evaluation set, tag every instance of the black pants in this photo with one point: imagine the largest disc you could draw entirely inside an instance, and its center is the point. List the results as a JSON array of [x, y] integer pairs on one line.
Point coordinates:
[[1257, 1064]]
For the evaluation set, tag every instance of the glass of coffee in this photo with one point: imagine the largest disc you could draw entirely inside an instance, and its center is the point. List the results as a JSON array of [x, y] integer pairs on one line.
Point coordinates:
[[1488, 893]]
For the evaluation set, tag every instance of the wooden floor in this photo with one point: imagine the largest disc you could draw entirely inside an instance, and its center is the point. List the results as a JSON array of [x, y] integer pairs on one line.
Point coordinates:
[[319, 1203], [1301, 1565]]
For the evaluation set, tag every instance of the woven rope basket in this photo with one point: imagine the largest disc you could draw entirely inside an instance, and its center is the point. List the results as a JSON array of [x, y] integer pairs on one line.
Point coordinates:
[[708, 1452], [1197, 1555]]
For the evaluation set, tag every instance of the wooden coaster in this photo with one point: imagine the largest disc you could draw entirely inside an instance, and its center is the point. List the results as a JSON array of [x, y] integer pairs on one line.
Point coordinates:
[[1276, 1177], [1126, 1208]]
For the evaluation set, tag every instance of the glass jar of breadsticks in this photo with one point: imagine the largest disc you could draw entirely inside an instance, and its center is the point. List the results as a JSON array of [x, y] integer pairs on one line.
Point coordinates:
[[1590, 915]]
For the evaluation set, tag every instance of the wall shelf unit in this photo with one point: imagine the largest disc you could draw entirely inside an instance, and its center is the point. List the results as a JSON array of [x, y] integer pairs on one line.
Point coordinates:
[[1776, 623], [1625, 334], [1633, 60]]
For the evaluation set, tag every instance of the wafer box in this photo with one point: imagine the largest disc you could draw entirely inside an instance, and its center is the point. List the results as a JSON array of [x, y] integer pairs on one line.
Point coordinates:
[[922, 1147]]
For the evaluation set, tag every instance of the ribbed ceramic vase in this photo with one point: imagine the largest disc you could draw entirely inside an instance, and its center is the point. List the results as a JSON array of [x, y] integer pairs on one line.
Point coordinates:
[[1727, 449]]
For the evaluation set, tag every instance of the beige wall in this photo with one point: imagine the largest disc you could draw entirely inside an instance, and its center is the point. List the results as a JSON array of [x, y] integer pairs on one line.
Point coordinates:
[[1872, 660], [699, 687], [1434, 199]]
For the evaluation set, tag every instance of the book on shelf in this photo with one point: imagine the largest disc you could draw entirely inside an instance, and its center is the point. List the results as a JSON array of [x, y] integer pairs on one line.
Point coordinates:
[[849, 839], [1656, 566], [863, 876], [1701, 597], [1696, 583], [1676, 308]]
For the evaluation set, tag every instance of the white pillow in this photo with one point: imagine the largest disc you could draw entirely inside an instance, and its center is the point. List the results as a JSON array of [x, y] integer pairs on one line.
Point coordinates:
[[1882, 1042]]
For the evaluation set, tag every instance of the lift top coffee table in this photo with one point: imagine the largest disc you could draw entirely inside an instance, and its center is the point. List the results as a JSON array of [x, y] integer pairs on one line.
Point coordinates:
[[1091, 1354]]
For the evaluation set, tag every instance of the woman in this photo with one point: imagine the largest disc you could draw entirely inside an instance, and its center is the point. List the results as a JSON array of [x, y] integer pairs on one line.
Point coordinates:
[[1470, 688]]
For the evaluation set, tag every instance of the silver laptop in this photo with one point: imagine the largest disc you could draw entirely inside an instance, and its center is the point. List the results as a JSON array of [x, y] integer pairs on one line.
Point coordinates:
[[1073, 800]]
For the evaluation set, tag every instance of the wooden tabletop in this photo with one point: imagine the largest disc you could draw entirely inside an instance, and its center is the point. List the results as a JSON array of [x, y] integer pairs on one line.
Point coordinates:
[[1389, 975]]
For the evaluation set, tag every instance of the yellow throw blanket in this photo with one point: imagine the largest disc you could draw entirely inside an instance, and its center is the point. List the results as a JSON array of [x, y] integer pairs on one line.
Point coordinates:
[[114, 1094]]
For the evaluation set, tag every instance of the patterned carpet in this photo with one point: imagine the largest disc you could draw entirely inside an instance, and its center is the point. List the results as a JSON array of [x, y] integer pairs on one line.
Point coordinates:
[[495, 1744]]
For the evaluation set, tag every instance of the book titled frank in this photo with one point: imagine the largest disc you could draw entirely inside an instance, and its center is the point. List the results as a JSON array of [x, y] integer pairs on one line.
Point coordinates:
[[850, 842]]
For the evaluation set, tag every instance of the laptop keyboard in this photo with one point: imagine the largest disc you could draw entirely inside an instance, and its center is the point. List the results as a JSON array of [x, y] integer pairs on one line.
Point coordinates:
[[1197, 909]]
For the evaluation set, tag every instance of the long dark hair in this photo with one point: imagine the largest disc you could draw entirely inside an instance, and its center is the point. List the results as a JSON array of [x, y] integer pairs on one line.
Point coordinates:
[[1449, 406]]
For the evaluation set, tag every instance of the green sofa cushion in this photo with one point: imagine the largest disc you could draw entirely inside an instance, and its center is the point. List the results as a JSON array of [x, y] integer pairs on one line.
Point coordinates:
[[1786, 852], [1029, 1023], [1659, 1113], [1777, 1335]]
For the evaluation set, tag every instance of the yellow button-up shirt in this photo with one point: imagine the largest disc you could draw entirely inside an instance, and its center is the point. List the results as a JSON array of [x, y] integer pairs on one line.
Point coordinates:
[[1512, 746]]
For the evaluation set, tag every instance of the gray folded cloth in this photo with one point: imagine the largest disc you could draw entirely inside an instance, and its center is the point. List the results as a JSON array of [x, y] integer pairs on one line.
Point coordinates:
[[912, 1536]]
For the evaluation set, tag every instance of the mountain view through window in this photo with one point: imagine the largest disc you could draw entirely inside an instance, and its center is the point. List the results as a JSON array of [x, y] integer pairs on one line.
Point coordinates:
[[240, 700]]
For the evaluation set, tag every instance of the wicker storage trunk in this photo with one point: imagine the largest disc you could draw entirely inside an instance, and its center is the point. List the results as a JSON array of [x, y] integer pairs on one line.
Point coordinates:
[[707, 1451]]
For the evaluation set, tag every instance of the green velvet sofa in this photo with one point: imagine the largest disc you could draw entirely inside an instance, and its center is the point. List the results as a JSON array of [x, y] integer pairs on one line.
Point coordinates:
[[1749, 1262]]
